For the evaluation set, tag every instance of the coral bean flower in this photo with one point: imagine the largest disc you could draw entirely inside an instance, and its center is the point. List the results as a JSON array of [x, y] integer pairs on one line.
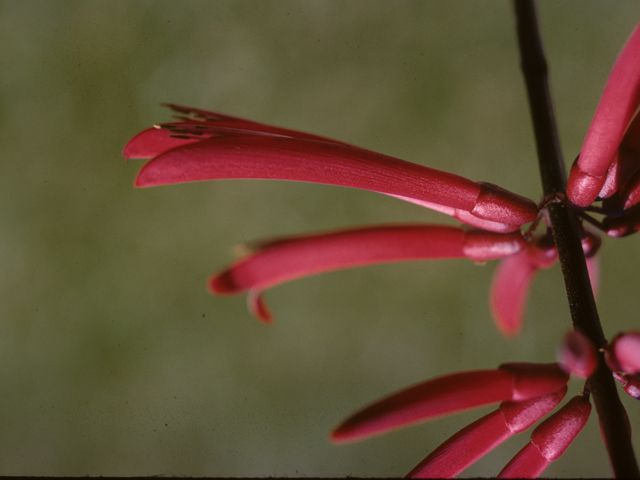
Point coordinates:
[[527, 392], [610, 153], [205, 145], [549, 440]]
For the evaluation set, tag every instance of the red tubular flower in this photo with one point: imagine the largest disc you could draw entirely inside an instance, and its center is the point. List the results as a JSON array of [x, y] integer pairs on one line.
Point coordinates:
[[205, 145], [514, 275], [279, 261], [512, 280], [221, 147], [549, 440], [617, 106], [476, 440], [624, 165], [515, 382]]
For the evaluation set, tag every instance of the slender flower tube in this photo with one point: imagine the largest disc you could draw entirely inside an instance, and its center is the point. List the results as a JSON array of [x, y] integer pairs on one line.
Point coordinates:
[[515, 382], [479, 438], [617, 106], [512, 280], [514, 275], [278, 261], [222, 147], [549, 440], [624, 165]]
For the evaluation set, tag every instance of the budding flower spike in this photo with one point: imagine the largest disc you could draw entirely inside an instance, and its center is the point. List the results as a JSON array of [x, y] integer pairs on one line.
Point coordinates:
[[479, 438], [617, 106], [514, 382], [549, 440], [206, 145], [202, 145]]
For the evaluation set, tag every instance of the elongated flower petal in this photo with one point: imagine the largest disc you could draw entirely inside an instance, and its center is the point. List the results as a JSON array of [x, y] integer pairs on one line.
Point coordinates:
[[549, 440], [267, 157], [206, 123], [231, 147], [476, 440], [512, 280], [152, 142], [279, 261], [617, 106], [198, 125], [451, 394], [625, 162]]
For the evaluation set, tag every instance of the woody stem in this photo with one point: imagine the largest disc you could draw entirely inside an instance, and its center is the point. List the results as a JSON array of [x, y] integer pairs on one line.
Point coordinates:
[[566, 232]]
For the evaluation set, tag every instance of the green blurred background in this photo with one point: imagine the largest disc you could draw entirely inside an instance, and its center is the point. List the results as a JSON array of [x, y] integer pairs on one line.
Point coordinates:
[[114, 359]]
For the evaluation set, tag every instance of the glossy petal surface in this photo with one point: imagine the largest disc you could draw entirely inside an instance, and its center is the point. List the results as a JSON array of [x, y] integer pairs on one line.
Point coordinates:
[[617, 106], [283, 158], [451, 394], [476, 440], [549, 440], [278, 261], [308, 161], [511, 282]]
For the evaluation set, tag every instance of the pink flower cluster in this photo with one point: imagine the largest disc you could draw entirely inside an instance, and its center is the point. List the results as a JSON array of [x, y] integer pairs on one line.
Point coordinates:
[[203, 145]]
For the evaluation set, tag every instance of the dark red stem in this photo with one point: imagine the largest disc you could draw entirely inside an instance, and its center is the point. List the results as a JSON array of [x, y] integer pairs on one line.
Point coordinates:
[[566, 232]]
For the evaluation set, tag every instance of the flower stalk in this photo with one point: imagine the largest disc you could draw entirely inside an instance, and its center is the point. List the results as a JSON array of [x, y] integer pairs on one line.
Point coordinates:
[[566, 233]]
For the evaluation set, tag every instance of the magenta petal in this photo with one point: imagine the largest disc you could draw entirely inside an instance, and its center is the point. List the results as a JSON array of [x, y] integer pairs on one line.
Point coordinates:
[[555, 434], [617, 105], [431, 399], [310, 161], [511, 283], [464, 448], [297, 159], [152, 142], [509, 291], [625, 162], [528, 463], [208, 146], [204, 120], [451, 394], [286, 259], [549, 440], [476, 440], [282, 260]]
